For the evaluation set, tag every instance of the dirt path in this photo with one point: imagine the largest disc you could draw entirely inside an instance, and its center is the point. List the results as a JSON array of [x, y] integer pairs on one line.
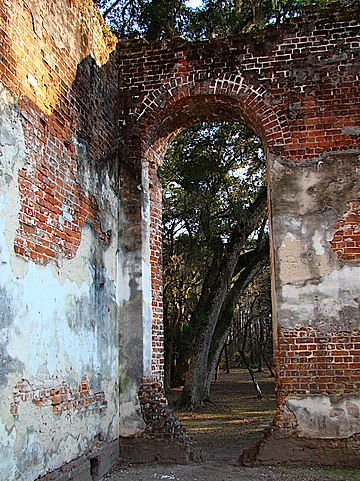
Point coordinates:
[[236, 418], [222, 430]]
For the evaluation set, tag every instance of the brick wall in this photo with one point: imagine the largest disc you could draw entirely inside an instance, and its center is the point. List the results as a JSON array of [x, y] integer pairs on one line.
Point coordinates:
[[297, 86], [346, 240], [54, 208], [84, 132]]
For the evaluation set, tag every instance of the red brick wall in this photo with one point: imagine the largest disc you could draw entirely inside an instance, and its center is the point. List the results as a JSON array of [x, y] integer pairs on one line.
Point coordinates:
[[58, 102], [54, 101], [316, 363], [346, 240], [156, 275]]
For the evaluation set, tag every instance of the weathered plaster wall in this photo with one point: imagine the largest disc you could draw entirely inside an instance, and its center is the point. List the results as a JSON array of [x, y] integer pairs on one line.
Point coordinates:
[[82, 134], [58, 238], [297, 86]]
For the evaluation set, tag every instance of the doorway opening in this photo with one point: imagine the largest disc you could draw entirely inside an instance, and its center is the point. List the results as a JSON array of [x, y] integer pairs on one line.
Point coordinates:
[[216, 280]]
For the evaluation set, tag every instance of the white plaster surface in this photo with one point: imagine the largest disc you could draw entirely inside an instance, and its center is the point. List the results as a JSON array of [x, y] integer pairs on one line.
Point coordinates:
[[8, 439], [324, 418], [322, 304], [313, 288], [53, 328], [131, 421], [146, 272]]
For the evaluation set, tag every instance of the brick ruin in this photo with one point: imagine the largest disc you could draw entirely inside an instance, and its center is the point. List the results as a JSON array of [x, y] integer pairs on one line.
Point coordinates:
[[85, 121]]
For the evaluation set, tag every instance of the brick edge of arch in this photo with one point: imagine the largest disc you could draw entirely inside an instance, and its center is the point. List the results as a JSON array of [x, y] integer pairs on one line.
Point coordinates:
[[270, 122]]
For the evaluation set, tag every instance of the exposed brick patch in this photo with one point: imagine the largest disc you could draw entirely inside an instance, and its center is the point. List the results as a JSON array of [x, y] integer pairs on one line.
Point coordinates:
[[156, 270], [312, 362], [60, 397], [346, 240], [54, 208]]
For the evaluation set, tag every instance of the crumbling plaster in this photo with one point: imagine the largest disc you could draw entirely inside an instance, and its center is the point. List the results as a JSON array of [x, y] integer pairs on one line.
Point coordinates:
[[297, 87], [315, 287], [59, 323], [81, 322], [324, 417]]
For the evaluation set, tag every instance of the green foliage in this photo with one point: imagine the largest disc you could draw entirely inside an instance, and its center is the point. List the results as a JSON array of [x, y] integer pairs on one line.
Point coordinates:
[[151, 19], [212, 172], [154, 19]]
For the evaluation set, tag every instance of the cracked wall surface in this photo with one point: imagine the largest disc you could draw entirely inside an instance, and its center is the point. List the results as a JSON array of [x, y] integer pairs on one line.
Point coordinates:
[[297, 87], [84, 128]]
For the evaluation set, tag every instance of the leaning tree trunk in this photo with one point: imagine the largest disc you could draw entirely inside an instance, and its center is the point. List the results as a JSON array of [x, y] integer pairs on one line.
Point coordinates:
[[207, 314], [254, 261], [194, 392]]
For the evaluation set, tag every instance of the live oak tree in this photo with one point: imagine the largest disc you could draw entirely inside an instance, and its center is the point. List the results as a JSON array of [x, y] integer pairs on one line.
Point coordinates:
[[214, 243], [250, 266]]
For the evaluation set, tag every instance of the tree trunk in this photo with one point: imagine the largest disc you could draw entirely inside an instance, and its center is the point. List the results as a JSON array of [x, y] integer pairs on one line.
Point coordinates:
[[255, 262], [227, 367], [252, 375], [194, 393], [260, 346]]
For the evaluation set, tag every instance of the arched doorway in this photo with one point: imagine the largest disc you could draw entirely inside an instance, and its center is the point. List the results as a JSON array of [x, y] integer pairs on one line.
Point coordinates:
[[154, 130], [312, 167]]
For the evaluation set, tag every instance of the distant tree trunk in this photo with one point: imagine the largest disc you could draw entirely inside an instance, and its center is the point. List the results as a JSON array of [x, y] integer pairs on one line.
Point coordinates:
[[261, 346], [227, 367], [252, 375], [168, 351], [268, 365], [254, 262], [180, 367]]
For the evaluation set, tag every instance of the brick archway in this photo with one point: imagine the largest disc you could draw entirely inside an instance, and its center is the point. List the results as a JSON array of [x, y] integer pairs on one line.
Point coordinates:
[[161, 120], [234, 99], [292, 87]]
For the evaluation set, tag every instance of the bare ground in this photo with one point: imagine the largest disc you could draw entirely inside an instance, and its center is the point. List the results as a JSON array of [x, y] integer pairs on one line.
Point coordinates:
[[235, 419]]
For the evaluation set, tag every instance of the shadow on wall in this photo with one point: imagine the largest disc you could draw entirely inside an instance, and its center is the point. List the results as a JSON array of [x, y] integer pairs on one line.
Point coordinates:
[[59, 192]]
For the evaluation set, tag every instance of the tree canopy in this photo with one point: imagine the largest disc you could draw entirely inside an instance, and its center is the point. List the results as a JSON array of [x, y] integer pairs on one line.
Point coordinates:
[[154, 19]]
